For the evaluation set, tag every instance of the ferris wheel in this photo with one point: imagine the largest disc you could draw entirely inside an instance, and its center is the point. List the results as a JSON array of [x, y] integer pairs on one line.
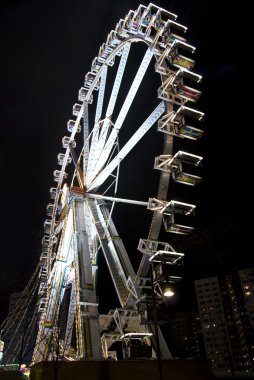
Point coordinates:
[[81, 216]]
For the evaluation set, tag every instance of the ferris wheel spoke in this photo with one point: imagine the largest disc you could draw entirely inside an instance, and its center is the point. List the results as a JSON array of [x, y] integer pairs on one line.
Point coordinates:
[[155, 115], [79, 172], [101, 94], [124, 110], [95, 155], [115, 199], [86, 134], [95, 132], [118, 80]]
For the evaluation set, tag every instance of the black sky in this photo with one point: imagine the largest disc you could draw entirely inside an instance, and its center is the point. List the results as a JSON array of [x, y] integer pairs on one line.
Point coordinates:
[[47, 48]]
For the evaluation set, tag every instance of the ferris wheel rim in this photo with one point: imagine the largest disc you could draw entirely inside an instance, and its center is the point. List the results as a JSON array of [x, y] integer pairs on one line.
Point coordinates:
[[129, 37], [94, 207], [82, 212], [168, 140]]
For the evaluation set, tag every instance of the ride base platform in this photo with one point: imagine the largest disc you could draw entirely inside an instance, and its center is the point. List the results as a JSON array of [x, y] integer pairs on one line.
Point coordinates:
[[123, 369]]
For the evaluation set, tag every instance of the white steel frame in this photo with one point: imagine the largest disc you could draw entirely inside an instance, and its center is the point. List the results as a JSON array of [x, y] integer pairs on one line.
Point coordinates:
[[85, 224]]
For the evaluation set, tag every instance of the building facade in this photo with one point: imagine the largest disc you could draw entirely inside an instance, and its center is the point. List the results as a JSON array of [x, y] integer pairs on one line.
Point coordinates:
[[226, 314], [186, 341], [247, 283]]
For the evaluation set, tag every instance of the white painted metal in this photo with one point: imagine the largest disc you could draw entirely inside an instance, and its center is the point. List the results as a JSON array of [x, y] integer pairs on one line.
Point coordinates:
[[155, 115], [70, 322], [95, 132], [86, 220], [115, 199], [87, 317], [124, 110], [115, 254], [86, 142], [118, 79], [107, 121]]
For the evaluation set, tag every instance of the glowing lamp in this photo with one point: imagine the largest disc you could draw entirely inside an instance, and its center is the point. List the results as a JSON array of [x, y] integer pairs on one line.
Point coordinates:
[[167, 291]]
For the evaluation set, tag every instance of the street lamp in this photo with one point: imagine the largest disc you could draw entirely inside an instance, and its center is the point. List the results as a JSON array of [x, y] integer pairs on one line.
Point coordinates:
[[156, 331], [167, 290], [165, 272]]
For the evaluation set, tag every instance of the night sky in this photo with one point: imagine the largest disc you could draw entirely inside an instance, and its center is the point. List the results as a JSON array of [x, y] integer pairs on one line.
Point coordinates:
[[47, 48]]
